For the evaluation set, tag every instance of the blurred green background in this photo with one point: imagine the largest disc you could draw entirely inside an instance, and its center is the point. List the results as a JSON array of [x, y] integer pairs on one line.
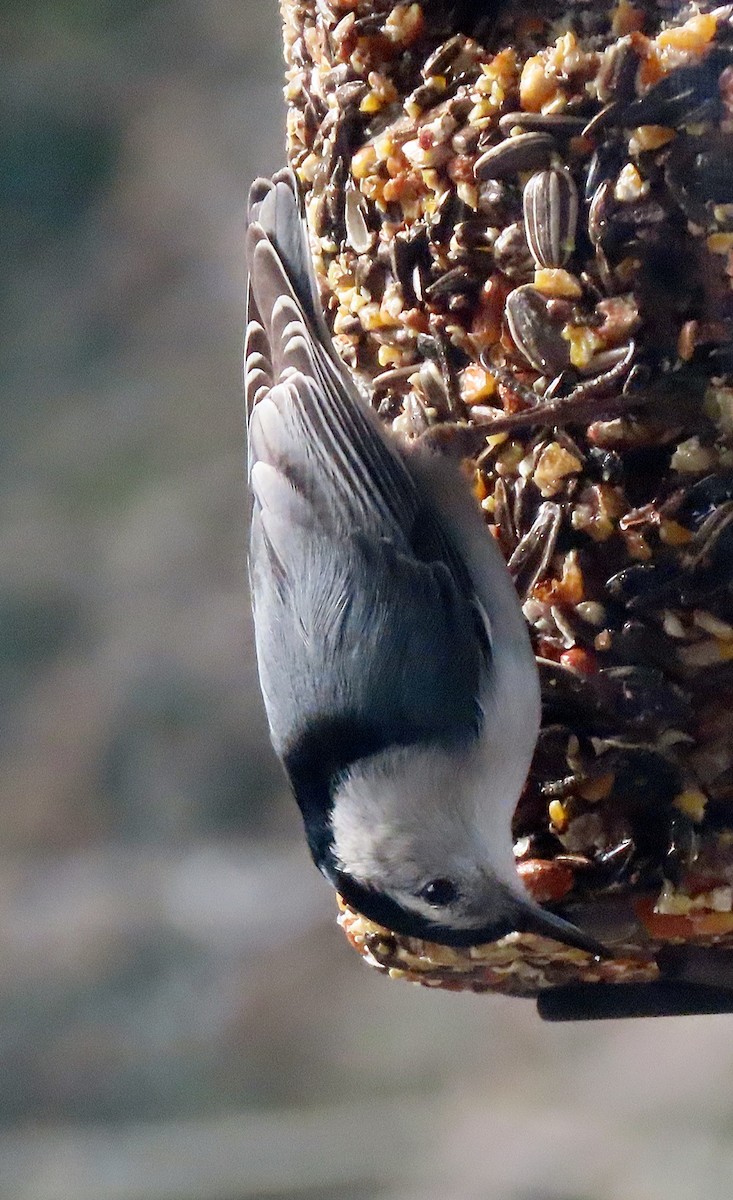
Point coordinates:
[[180, 1019]]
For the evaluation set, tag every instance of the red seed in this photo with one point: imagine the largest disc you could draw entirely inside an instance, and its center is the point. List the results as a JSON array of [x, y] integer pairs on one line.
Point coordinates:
[[579, 660], [545, 880]]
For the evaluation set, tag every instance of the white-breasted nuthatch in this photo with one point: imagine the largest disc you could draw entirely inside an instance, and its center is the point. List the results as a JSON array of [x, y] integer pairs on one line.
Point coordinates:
[[397, 672]]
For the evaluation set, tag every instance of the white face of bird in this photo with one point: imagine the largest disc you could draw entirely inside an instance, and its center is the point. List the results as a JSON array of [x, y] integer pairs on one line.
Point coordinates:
[[429, 832], [416, 826]]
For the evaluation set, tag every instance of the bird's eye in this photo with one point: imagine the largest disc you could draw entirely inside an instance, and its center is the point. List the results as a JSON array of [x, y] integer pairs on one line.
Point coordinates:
[[439, 892]]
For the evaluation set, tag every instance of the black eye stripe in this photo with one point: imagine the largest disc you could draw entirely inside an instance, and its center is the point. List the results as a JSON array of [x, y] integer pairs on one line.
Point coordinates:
[[439, 892]]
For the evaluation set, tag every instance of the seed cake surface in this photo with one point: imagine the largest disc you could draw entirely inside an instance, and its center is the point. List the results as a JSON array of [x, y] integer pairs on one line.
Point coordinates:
[[522, 225]]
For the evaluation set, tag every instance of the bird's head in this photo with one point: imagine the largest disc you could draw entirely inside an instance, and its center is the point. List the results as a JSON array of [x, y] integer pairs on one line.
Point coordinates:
[[411, 849]]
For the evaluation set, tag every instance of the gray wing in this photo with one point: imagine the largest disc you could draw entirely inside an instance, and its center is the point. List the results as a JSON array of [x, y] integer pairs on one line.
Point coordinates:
[[287, 337], [353, 631], [354, 625]]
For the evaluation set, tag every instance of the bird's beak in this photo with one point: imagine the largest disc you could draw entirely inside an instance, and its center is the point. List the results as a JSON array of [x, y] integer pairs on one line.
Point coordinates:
[[533, 919]]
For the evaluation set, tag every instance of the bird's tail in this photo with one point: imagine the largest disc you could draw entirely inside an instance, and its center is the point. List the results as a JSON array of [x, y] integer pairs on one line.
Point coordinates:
[[275, 210], [280, 270]]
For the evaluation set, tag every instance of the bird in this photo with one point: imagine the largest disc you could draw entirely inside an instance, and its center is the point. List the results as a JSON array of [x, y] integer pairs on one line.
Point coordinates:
[[398, 677]]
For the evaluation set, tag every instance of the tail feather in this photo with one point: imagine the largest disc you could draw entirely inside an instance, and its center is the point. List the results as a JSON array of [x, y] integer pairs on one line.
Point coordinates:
[[275, 206]]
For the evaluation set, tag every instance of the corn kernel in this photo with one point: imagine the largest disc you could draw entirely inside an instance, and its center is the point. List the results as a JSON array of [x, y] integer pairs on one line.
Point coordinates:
[[535, 88], [495, 439], [371, 103], [388, 355], [554, 281], [651, 69], [425, 158], [358, 301], [404, 24], [650, 137], [476, 384], [558, 815], [692, 803], [363, 161], [553, 465], [342, 322], [480, 113], [720, 243], [384, 147], [630, 186], [307, 169], [370, 316], [571, 583], [693, 35], [584, 342]]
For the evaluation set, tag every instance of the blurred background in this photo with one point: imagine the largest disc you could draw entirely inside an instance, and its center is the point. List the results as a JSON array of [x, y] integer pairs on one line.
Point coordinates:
[[180, 1018]]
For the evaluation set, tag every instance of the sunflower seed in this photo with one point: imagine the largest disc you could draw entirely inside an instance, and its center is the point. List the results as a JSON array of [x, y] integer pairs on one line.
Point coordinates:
[[609, 116], [605, 163], [598, 225], [393, 377], [369, 24], [357, 232], [349, 95], [699, 174], [702, 498], [605, 371], [430, 387], [534, 332], [685, 96], [550, 203], [644, 586], [683, 847], [503, 515], [457, 281], [512, 254], [522, 153], [444, 57], [532, 556], [558, 124], [425, 97], [616, 78], [333, 199], [450, 210], [409, 258], [713, 535], [332, 80]]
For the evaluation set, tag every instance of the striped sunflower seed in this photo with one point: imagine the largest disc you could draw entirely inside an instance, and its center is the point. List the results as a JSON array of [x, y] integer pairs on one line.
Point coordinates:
[[551, 216]]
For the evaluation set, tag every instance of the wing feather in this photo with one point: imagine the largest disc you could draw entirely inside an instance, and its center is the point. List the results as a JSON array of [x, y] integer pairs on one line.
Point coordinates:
[[354, 621]]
